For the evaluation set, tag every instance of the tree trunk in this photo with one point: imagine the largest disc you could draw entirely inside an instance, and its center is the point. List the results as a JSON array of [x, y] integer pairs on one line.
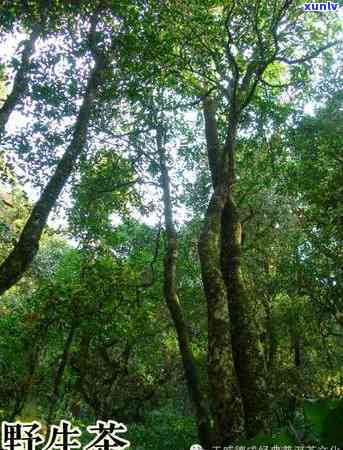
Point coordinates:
[[297, 350], [35, 346], [21, 79], [27, 384], [59, 376], [225, 390], [14, 266], [245, 333], [20, 84], [174, 306], [271, 344], [79, 364]]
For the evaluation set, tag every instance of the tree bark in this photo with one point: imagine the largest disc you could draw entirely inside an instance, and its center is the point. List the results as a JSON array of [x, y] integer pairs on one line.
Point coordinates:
[[245, 332], [174, 306], [14, 266], [225, 390]]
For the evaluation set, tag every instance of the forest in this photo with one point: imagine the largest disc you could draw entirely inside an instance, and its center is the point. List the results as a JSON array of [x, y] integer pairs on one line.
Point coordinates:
[[171, 224]]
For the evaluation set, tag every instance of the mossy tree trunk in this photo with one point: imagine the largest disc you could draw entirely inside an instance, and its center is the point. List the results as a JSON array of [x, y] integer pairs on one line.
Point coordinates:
[[226, 396], [245, 331]]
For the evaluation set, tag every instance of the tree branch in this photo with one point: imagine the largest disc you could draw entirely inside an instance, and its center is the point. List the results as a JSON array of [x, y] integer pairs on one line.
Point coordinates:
[[307, 57], [283, 85]]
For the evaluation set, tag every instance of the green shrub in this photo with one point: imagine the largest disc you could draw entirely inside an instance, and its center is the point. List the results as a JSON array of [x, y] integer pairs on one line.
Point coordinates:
[[163, 430]]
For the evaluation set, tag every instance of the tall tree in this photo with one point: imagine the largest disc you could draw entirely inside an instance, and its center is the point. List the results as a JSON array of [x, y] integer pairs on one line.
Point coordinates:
[[249, 41], [222, 371], [14, 266], [171, 293]]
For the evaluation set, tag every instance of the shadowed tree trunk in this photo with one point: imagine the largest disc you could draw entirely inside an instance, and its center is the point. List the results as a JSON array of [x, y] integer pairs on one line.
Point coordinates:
[[297, 350], [27, 384], [79, 364], [173, 303], [59, 376], [225, 389], [270, 339], [35, 345], [272, 344], [14, 266]]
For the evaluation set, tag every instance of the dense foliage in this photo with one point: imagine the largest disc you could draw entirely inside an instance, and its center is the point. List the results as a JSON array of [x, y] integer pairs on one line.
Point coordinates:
[[171, 219]]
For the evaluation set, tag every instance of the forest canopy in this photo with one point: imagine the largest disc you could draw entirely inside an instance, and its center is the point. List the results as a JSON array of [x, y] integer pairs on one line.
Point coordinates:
[[171, 222]]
